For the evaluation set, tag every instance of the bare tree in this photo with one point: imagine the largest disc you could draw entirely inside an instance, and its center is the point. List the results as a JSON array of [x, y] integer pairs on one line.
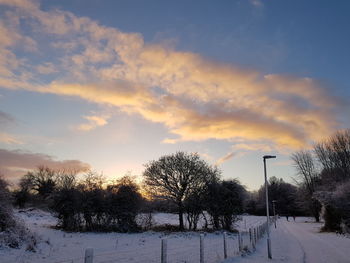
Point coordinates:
[[176, 176], [42, 181], [66, 178], [334, 156], [308, 178], [306, 169]]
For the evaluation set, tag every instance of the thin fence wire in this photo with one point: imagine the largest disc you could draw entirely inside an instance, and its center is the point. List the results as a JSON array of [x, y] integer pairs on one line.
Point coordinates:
[[180, 248]]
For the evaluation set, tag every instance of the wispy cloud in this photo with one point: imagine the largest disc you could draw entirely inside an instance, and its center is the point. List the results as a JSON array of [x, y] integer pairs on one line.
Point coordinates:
[[196, 99], [94, 121], [225, 158], [15, 163], [9, 139], [263, 147]]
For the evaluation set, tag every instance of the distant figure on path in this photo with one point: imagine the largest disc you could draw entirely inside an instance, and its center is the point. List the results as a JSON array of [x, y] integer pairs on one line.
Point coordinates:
[[294, 218], [287, 217]]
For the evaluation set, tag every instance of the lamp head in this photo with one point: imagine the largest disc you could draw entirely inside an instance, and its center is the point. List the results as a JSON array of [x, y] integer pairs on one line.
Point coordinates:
[[269, 156]]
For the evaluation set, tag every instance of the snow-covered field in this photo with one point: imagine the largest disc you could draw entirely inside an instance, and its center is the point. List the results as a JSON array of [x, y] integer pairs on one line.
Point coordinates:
[[292, 242], [58, 246]]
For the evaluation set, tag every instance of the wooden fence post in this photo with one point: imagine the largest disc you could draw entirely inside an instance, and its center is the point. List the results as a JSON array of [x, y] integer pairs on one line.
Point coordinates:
[[255, 237], [89, 255], [164, 251], [201, 248], [239, 242], [225, 245]]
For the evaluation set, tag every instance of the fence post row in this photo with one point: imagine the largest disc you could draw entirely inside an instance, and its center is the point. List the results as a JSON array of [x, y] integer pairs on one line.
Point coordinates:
[[89, 255], [254, 235]]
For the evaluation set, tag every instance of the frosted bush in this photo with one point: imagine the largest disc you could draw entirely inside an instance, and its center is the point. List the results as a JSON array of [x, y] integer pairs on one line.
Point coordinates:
[[13, 232]]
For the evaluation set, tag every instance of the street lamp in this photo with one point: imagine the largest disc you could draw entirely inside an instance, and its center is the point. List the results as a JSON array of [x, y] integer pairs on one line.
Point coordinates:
[[274, 211], [267, 206]]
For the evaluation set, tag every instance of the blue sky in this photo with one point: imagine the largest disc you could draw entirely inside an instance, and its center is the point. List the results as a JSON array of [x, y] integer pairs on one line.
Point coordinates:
[[111, 85]]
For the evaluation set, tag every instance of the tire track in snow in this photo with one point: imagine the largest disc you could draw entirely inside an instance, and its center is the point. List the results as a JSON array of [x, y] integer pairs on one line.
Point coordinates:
[[286, 230]]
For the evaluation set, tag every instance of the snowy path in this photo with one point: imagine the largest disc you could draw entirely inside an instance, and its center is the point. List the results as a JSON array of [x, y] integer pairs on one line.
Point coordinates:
[[298, 241], [319, 247]]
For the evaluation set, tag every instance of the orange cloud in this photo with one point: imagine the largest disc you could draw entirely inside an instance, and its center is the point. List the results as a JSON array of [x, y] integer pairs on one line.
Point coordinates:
[[94, 121], [196, 99]]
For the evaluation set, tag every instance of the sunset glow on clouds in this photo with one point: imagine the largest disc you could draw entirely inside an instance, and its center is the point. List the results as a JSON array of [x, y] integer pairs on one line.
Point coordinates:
[[14, 163], [196, 99]]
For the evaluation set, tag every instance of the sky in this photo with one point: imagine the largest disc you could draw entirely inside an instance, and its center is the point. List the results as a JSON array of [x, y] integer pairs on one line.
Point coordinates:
[[110, 85]]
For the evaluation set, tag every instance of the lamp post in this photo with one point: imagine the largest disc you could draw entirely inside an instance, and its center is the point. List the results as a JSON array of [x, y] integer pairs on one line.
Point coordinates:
[[274, 211], [267, 206]]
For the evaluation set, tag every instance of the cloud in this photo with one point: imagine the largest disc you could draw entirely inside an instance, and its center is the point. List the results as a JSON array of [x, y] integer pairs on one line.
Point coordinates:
[[195, 98], [263, 147], [9, 139], [25, 4], [94, 121], [225, 158], [16, 163]]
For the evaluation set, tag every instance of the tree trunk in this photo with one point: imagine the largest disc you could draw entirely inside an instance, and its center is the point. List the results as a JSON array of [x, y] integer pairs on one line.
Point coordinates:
[[216, 222], [316, 208], [181, 218], [317, 218]]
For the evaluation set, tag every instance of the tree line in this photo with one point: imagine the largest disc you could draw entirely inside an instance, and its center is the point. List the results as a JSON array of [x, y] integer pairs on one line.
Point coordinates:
[[182, 183], [324, 180], [185, 184]]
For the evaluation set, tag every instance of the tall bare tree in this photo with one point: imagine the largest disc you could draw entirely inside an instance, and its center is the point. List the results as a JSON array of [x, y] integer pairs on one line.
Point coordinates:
[[176, 176], [308, 177], [334, 156]]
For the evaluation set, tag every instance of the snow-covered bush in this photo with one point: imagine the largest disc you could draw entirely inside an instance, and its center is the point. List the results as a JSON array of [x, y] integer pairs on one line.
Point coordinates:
[[13, 233], [342, 201], [336, 208], [6, 213], [18, 235]]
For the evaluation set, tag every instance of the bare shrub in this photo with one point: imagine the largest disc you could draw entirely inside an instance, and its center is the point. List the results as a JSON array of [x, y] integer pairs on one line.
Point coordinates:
[[145, 221]]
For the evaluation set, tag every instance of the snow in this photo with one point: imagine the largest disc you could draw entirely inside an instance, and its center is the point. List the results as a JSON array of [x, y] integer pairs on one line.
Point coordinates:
[[298, 241], [59, 246]]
